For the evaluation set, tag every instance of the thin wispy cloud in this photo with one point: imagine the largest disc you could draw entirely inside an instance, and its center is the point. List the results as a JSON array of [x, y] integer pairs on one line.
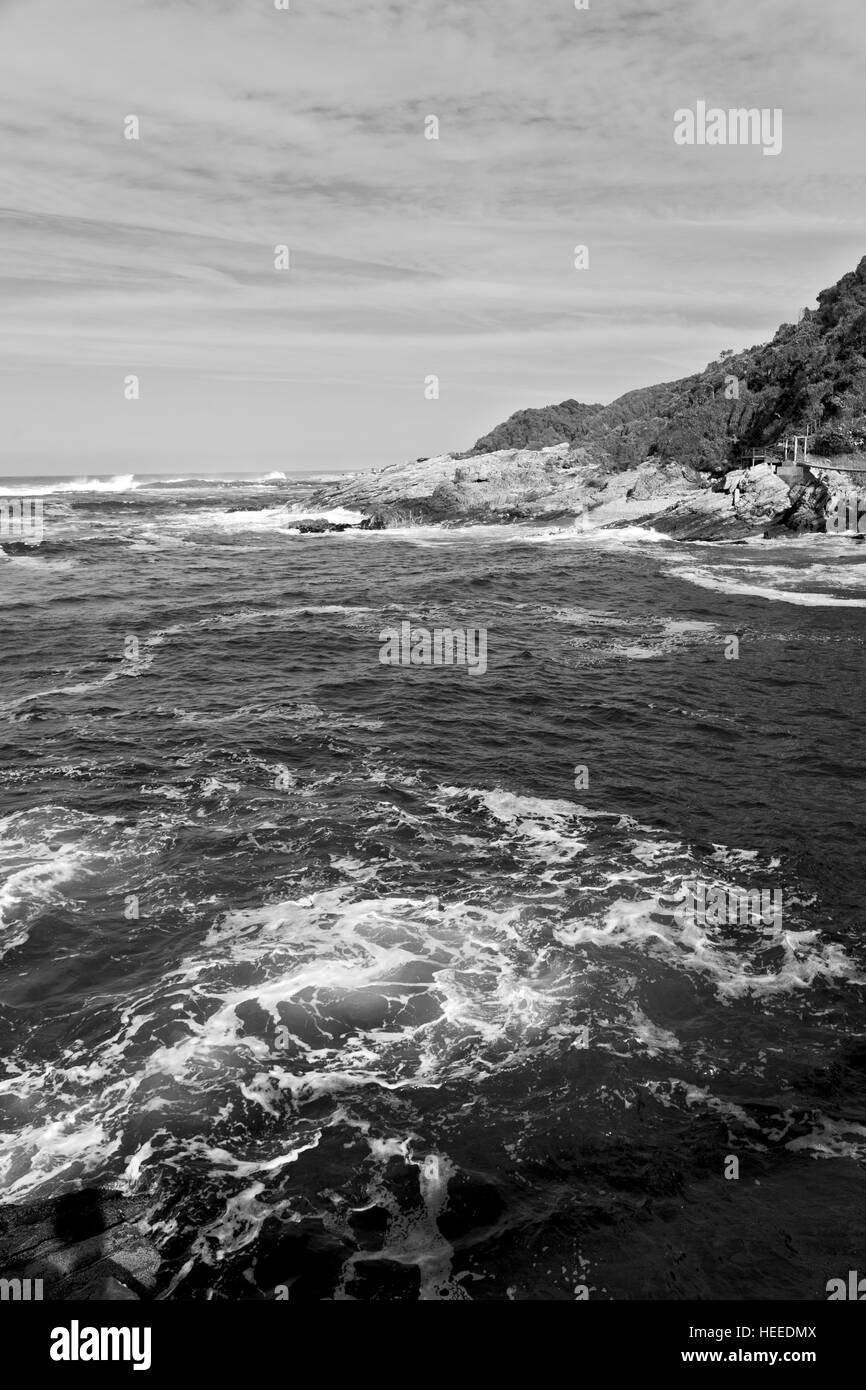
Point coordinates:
[[261, 127]]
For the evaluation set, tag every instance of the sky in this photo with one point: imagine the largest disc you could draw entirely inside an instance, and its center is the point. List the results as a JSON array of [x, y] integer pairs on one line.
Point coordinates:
[[409, 257]]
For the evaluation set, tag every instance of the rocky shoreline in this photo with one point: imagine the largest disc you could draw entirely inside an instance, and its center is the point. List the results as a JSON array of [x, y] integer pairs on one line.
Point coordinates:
[[555, 485]]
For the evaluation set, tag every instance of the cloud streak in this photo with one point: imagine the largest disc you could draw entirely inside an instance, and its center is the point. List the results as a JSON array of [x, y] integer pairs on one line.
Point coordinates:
[[262, 127]]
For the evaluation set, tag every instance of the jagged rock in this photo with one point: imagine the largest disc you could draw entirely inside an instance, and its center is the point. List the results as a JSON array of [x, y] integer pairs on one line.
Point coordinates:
[[102, 1286], [88, 1244], [761, 494], [321, 523], [654, 482], [448, 498], [707, 516], [383, 518]]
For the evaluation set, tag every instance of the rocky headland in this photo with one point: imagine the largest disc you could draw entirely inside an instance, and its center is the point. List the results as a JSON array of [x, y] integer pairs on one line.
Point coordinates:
[[702, 458]]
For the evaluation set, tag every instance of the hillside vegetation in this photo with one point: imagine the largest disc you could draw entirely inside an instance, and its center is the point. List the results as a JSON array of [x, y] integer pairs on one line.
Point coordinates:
[[812, 373]]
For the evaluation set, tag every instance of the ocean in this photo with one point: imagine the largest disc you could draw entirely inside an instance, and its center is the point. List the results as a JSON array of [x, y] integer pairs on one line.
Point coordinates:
[[375, 981]]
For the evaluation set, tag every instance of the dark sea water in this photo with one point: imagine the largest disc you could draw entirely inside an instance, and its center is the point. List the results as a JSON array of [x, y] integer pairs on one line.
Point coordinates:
[[304, 949]]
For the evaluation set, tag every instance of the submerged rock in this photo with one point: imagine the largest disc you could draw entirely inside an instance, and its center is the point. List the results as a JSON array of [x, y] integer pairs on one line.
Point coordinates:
[[321, 523]]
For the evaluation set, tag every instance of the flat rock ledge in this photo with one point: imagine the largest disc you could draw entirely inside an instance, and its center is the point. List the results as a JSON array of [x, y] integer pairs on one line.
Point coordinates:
[[87, 1245], [566, 486]]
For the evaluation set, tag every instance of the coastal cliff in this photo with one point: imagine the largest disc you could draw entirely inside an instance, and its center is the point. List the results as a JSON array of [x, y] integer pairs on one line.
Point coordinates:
[[701, 458]]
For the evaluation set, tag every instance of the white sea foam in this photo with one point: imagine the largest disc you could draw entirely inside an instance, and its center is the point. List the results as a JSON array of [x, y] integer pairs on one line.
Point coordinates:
[[832, 1138], [129, 667], [337, 515], [244, 617], [378, 989], [121, 482], [799, 958], [607, 537], [42, 852], [727, 583]]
